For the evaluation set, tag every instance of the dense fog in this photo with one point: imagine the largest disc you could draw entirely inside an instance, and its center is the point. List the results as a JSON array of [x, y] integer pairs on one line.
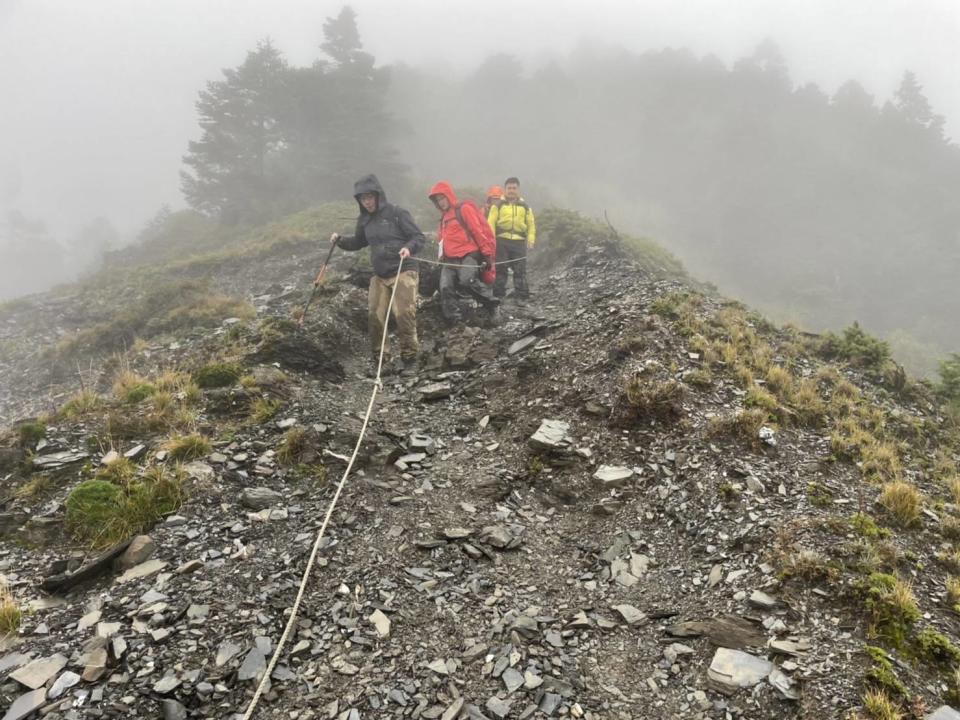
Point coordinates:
[[800, 159]]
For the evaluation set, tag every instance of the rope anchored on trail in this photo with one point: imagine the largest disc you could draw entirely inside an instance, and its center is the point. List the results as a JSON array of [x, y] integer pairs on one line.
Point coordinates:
[[295, 610], [443, 264]]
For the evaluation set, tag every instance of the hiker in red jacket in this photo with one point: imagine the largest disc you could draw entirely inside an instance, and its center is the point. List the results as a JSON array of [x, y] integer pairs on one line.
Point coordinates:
[[469, 249]]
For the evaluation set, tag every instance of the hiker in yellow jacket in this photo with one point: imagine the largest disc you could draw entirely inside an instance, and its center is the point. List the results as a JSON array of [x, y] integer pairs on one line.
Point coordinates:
[[513, 223]]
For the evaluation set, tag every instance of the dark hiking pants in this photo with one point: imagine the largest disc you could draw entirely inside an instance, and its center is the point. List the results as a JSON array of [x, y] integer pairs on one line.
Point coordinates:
[[466, 276], [515, 250]]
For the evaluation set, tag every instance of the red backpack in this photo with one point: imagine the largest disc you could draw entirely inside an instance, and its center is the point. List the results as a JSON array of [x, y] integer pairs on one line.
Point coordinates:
[[488, 275]]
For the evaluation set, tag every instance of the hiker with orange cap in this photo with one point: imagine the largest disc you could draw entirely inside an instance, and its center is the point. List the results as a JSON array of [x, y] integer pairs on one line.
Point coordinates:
[[494, 197], [469, 249]]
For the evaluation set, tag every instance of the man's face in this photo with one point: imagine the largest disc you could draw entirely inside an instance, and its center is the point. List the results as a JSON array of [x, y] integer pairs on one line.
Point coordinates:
[[369, 201], [441, 202], [511, 191]]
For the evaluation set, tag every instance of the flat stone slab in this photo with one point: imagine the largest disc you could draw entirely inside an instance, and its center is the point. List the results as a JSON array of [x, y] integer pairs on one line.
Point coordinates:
[[13, 660], [732, 670], [253, 665], [381, 622], [613, 475], [259, 498], [551, 434], [142, 570], [26, 704], [37, 673], [435, 391], [58, 459], [761, 600], [66, 681], [630, 614], [522, 344]]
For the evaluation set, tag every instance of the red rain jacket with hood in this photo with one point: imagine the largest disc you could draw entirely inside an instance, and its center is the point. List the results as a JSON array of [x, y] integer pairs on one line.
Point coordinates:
[[457, 242]]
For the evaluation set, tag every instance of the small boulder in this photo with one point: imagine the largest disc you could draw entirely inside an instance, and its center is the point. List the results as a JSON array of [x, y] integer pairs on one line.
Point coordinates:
[[140, 549]]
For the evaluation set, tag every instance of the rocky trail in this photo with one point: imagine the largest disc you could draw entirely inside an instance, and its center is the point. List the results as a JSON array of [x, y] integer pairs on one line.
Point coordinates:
[[525, 538]]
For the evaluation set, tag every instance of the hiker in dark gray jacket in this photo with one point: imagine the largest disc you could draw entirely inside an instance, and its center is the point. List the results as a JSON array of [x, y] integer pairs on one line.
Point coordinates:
[[391, 234]]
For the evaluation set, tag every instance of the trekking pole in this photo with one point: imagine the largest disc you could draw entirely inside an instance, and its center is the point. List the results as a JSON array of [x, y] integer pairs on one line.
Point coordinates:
[[316, 284]]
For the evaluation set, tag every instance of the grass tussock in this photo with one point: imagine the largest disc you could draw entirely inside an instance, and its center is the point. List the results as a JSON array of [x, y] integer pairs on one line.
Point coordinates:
[[953, 487], [188, 447], [701, 378], [293, 445], [82, 404], [880, 462], [936, 648], [744, 425], [806, 564], [867, 527], [10, 615], [891, 607], [879, 705], [119, 471], [30, 433], [101, 513], [953, 592], [882, 676], [647, 399], [758, 397], [264, 409], [34, 489], [902, 502], [131, 388], [809, 408], [950, 527], [218, 374], [950, 559], [743, 376], [780, 381]]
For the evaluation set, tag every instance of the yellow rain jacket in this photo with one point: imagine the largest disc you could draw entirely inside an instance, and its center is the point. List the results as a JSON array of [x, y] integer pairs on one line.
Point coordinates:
[[513, 221]]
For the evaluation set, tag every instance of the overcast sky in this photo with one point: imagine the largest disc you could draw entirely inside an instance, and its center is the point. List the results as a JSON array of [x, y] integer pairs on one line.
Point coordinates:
[[97, 96]]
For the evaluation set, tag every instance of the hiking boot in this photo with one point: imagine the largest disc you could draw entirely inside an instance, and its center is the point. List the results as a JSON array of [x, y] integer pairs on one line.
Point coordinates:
[[390, 367]]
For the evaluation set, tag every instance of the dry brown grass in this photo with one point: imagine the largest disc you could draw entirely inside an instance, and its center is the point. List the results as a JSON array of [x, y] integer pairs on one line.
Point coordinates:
[[651, 399], [880, 706], [902, 502], [953, 591], [744, 425], [10, 614], [780, 381], [880, 462], [953, 487], [762, 398]]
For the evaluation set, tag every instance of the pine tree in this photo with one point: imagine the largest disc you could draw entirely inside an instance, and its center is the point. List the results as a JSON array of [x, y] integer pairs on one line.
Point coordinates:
[[232, 173], [913, 105], [342, 42], [336, 123]]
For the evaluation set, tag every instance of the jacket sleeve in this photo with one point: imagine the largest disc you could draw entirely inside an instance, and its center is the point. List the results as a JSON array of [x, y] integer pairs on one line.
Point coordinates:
[[480, 231], [411, 233], [492, 218], [353, 242], [531, 229]]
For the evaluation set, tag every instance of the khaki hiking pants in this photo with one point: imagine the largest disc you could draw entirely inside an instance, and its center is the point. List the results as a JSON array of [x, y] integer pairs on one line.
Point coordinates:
[[404, 312]]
